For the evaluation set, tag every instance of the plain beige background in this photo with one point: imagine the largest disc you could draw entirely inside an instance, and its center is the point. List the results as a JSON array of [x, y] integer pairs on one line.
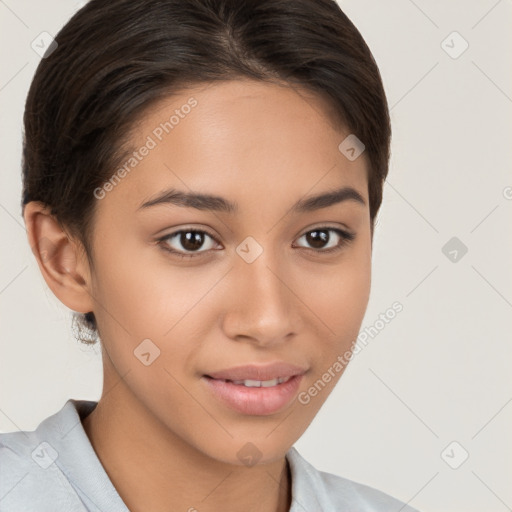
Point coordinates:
[[433, 384]]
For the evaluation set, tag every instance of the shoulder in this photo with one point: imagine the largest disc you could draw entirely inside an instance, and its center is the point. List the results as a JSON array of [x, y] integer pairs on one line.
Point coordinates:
[[313, 488], [29, 478]]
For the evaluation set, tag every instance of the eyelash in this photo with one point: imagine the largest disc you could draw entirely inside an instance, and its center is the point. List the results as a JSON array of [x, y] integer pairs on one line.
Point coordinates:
[[345, 236]]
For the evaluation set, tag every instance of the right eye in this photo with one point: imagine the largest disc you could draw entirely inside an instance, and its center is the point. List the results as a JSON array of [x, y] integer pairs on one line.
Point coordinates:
[[189, 240]]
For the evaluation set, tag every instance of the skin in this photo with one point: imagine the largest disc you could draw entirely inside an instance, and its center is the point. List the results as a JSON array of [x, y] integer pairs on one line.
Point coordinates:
[[164, 441]]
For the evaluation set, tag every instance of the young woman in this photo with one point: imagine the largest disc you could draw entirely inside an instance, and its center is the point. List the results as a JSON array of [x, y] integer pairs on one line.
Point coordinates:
[[201, 180]]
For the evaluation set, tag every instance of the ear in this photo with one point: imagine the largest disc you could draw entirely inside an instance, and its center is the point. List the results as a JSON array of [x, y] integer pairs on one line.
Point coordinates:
[[61, 259]]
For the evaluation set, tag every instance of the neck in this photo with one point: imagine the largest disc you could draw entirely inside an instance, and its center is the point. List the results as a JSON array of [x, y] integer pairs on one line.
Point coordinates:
[[154, 469]]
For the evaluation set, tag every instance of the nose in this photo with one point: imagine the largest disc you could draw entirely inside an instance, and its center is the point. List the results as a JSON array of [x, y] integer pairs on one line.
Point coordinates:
[[262, 307]]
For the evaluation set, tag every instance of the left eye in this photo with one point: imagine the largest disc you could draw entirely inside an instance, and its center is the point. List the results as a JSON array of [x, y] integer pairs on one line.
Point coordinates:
[[319, 236], [191, 240]]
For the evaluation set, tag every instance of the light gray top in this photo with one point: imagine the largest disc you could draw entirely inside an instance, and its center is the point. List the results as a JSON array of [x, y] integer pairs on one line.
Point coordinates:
[[55, 469]]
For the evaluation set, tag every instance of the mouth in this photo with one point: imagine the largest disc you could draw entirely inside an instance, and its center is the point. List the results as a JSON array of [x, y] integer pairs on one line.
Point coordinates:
[[254, 397], [251, 383]]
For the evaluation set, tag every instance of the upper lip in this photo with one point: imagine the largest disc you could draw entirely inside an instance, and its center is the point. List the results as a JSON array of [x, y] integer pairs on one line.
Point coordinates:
[[258, 372]]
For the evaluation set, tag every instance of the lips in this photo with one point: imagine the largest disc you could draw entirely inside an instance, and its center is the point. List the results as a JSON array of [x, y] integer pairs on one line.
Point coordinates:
[[256, 389], [261, 400], [254, 372]]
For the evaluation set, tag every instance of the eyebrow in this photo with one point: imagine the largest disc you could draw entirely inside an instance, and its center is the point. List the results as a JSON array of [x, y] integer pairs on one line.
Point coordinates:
[[209, 202]]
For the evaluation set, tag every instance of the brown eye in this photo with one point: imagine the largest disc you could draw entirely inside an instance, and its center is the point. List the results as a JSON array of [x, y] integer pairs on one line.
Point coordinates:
[[191, 240], [187, 241], [319, 239]]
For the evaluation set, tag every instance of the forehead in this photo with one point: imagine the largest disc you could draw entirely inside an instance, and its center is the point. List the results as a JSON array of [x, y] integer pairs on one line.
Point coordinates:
[[241, 139]]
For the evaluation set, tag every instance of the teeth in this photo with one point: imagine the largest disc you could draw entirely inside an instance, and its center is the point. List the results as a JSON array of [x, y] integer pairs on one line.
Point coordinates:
[[260, 383]]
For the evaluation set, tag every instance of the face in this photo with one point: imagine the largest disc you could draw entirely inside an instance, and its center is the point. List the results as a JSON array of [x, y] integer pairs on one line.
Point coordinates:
[[185, 288]]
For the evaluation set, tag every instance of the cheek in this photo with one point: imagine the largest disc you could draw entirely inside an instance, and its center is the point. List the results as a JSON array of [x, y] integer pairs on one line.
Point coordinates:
[[122, 291], [338, 300], [143, 295], [340, 296]]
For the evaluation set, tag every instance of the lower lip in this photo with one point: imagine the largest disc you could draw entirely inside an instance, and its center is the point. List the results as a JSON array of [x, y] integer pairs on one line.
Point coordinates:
[[255, 401]]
